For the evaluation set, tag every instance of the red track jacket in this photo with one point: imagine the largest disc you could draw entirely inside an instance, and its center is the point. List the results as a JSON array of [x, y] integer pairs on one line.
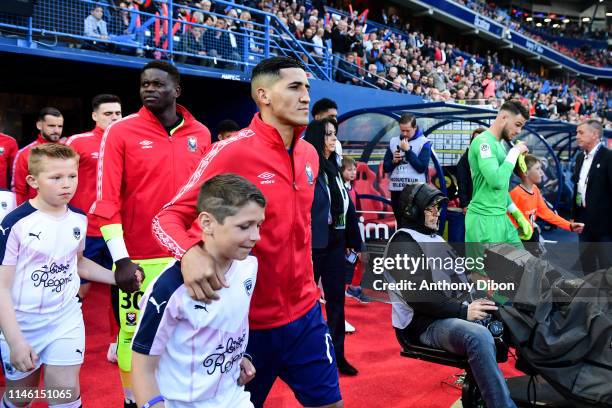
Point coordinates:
[[140, 169], [87, 145], [8, 151], [22, 190], [285, 289]]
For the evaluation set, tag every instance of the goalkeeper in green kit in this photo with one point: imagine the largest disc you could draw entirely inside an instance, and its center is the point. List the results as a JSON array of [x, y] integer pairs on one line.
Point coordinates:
[[491, 167]]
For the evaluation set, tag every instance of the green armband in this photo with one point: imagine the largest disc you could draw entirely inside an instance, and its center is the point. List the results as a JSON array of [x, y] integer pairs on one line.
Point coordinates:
[[111, 231]]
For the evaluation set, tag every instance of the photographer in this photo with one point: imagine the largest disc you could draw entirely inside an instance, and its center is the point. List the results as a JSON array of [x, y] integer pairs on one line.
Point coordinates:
[[406, 159], [437, 318]]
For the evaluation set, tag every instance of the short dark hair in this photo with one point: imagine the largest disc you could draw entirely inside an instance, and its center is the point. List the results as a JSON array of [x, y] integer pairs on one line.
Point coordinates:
[[49, 110], [227, 125], [408, 118], [323, 105], [223, 195], [272, 66], [103, 98], [515, 107], [166, 67]]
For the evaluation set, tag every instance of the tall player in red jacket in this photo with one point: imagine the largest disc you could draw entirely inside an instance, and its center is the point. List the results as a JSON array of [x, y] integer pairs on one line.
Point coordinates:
[[288, 337], [106, 109], [50, 124], [8, 151], [144, 159]]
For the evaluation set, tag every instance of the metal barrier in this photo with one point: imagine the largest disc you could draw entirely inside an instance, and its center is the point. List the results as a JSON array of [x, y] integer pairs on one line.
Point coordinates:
[[166, 31]]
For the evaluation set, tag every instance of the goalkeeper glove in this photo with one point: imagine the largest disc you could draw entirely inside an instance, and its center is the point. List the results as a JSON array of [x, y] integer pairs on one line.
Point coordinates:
[[526, 231]]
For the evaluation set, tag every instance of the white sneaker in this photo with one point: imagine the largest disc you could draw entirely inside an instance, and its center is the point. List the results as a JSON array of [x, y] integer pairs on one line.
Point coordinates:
[[111, 354], [348, 328]]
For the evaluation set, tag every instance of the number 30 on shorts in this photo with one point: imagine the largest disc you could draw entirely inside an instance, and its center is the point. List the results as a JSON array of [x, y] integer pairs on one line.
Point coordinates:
[[130, 300]]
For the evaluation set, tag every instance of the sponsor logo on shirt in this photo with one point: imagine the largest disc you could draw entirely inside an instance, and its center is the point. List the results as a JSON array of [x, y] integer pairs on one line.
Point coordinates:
[[52, 276], [76, 233], [226, 355], [146, 144], [248, 286], [95, 155], [267, 178], [192, 143], [1, 151], [4, 205], [309, 174], [130, 319]]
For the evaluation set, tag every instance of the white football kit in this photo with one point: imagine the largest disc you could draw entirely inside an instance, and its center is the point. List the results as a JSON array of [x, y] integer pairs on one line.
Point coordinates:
[[44, 250], [200, 345]]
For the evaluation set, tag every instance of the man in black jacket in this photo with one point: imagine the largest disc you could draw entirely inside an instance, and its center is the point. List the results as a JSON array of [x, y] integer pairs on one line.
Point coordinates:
[[464, 176], [440, 318], [593, 197]]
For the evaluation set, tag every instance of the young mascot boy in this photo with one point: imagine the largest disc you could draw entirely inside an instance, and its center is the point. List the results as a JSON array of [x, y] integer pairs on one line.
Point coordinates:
[[41, 249], [528, 199], [189, 353]]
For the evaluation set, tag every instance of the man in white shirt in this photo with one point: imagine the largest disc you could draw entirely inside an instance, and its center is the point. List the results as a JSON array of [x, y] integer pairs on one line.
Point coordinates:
[[593, 196]]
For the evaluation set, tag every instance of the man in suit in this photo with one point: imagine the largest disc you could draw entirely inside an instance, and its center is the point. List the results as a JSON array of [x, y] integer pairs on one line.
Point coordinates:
[[593, 196]]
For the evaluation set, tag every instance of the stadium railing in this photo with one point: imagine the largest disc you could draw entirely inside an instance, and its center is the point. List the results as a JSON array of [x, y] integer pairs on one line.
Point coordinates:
[[163, 35]]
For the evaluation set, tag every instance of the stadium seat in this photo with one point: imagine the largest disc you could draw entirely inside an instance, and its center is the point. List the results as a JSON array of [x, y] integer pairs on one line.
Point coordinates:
[[364, 185], [470, 394]]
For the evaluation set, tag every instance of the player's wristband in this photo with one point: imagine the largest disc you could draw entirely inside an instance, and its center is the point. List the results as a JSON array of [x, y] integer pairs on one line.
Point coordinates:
[[117, 248], [153, 401], [512, 156]]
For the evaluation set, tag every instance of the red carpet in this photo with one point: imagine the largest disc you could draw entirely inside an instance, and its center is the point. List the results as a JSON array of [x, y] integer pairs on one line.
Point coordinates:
[[385, 379]]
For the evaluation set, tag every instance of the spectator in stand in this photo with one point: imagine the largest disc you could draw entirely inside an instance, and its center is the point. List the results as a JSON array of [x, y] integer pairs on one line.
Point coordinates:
[[341, 41], [488, 86], [217, 44], [348, 72], [94, 26], [192, 42]]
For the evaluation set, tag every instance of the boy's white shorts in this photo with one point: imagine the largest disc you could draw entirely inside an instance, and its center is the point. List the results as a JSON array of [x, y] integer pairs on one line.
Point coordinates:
[[58, 338]]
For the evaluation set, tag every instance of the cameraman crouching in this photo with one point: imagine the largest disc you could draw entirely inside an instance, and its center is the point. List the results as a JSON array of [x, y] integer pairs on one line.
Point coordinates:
[[442, 319]]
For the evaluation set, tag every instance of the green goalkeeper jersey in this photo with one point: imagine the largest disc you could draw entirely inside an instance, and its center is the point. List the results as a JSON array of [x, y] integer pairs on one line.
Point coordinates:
[[490, 175]]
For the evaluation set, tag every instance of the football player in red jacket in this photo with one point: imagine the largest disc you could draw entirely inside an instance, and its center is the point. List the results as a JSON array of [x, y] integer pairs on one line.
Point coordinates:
[[288, 337]]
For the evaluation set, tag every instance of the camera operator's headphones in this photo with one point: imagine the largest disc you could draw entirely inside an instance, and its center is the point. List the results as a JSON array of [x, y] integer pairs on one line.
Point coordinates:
[[416, 196]]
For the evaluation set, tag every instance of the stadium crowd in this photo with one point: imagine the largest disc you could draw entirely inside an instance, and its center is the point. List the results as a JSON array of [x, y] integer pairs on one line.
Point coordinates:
[[585, 55], [413, 63]]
